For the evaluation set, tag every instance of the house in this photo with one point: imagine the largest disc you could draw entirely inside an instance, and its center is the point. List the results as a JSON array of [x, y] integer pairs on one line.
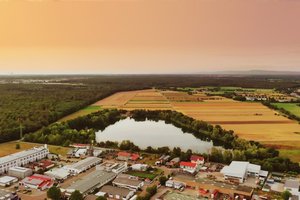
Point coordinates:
[[163, 160], [19, 172], [7, 181], [292, 186], [37, 181], [129, 182], [115, 192], [175, 184], [125, 156], [199, 160], [173, 162], [238, 171], [189, 167]]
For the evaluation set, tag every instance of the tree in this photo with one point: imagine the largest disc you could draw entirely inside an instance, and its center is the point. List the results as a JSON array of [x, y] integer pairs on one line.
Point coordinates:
[[54, 193], [101, 198], [76, 195], [286, 195], [18, 146], [163, 180]]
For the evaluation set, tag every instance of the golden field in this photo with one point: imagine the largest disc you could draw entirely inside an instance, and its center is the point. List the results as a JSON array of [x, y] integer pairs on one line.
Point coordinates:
[[249, 120]]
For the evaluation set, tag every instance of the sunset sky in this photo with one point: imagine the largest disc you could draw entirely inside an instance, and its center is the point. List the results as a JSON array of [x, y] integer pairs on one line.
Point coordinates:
[[148, 36]]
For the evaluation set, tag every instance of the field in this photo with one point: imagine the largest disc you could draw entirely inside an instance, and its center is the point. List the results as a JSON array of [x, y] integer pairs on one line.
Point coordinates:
[[10, 147], [293, 108], [85, 111], [249, 120]]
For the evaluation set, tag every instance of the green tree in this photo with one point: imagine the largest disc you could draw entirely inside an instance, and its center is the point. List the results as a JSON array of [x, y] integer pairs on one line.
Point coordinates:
[[54, 193], [101, 198], [286, 195], [18, 146], [76, 195], [163, 180]]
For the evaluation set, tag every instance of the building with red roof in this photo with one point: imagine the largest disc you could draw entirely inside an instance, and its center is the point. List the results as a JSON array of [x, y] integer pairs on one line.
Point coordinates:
[[197, 159], [37, 181], [189, 167], [125, 156]]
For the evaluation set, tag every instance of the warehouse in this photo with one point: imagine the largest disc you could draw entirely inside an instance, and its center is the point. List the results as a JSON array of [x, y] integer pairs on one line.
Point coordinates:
[[19, 172], [58, 173], [37, 181], [22, 158], [83, 165], [90, 182], [127, 181], [7, 181], [115, 192], [113, 167]]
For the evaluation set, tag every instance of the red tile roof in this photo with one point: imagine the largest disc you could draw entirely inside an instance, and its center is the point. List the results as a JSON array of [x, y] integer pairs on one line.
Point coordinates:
[[125, 154], [188, 164], [196, 158], [135, 156]]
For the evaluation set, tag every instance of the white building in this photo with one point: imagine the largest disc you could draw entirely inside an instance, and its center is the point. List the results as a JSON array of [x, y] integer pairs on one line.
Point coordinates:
[[292, 186], [139, 167], [116, 168], [23, 158], [127, 181], [115, 192], [7, 181], [83, 165], [239, 170], [58, 173], [175, 184], [19, 172]]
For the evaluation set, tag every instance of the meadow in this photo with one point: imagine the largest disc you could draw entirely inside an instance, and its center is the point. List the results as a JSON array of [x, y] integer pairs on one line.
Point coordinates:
[[293, 108]]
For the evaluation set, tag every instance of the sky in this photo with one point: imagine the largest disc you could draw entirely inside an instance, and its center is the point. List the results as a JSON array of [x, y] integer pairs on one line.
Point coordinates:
[[148, 36]]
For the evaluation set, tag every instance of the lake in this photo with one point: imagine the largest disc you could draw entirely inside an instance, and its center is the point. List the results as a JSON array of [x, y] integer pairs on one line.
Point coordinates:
[[154, 134]]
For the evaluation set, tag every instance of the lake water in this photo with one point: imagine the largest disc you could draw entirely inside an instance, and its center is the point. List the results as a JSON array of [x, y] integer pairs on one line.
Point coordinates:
[[154, 134]]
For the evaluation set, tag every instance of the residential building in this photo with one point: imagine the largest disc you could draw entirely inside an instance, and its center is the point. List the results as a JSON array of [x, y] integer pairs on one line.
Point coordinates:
[[127, 181], [292, 186], [199, 160], [115, 192], [175, 184], [238, 171], [22, 158], [7, 181], [37, 181], [125, 156], [19, 172], [173, 162], [189, 167], [83, 165]]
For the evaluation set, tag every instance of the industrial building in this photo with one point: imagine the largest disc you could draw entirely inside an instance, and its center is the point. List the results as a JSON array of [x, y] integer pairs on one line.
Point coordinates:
[[115, 192], [19, 172], [22, 158], [8, 195], [129, 182], [7, 181], [58, 173], [113, 167], [83, 165], [37, 181], [90, 182], [238, 171], [175, 184]]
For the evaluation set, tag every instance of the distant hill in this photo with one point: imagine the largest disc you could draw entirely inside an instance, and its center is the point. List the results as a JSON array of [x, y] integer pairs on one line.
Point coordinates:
[[258, 72]]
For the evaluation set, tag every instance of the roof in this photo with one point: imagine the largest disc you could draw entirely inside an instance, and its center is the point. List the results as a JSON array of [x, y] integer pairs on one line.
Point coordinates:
[[85, 162], [292, 184], [123, 153], [7, 179], [96, 178], [21, 154], [196, 158], [59, 173], [135, 156], [263, 173], [19, 169], [176, 160], [126, 179], [123, 192], [188, 164], [236, 169], [253, 168]]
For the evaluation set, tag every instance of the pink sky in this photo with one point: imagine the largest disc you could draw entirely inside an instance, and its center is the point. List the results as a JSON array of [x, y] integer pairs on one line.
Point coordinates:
[[137, 36]]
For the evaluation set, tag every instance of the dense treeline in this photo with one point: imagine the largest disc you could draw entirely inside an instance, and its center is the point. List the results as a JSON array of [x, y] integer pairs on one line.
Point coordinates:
[[79, 130], [83, 129]]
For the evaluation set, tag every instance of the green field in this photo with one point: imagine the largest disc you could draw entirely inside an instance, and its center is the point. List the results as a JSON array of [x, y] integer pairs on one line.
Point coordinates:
[[293, 108], [293, 154], [142, 174], [85, 111]]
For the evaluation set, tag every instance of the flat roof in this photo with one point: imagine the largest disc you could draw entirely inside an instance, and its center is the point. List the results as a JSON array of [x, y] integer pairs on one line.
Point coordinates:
[[58, 172], [19, 169], [7, 179], [21, 154], [292, 184], [115, 190], [96, 178], [236, 169], [127, 180], [4, 193], [85, 162]]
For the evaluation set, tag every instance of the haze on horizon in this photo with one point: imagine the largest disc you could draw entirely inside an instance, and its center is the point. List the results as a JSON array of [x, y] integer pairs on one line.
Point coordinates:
[[139, 37]]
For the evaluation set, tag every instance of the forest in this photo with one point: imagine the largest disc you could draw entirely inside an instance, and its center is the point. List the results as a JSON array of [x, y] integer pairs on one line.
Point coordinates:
[[83, 130]]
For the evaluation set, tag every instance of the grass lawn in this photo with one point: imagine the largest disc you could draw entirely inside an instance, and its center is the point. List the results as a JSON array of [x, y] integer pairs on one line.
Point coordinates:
[[291, 107], [142, 174], [293, 154], [10, 148], [85, 111]]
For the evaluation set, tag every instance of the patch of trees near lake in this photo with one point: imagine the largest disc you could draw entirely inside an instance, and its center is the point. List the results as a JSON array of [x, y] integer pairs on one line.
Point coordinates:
[[83, 129]]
